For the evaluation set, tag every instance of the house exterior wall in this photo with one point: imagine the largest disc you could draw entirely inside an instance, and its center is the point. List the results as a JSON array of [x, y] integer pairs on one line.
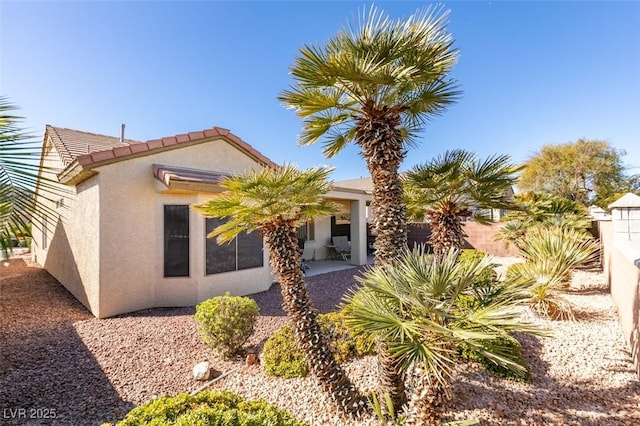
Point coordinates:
[[132, 229], [71, 252], [106, 246]]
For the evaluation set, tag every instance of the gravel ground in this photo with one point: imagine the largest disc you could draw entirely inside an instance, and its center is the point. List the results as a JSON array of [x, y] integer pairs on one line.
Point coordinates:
[[58, 361]]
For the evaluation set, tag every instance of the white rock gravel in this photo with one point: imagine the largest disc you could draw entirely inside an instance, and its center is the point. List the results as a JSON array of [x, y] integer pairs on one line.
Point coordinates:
[[55, 356]]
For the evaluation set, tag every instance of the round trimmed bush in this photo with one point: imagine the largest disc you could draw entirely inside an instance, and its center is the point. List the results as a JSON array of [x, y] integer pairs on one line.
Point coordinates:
[[226, 322], [221, 408]]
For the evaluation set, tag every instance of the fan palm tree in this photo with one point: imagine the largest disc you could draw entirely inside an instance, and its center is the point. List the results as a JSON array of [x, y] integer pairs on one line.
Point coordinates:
[[19, 156], [538, 210], [276, 202], [457, 184], [376, 83], [414, 306]]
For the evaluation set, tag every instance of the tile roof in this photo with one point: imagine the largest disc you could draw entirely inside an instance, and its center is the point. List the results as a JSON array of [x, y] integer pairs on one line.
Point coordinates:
[[71, 144], [87, 150]]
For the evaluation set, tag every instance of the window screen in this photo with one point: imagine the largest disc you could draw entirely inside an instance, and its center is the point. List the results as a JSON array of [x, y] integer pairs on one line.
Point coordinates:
[[176, 240]]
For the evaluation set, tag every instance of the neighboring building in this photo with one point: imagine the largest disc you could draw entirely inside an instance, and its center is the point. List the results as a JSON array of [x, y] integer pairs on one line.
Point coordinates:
[[598, 213], [126, 238], [625, 214]]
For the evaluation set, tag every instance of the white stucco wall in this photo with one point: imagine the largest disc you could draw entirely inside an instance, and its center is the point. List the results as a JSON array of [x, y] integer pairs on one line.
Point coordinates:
[[132, 244]]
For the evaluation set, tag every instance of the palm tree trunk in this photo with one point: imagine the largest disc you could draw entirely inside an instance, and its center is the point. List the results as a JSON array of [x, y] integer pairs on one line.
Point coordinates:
[[391, 379], [378, 135], [282, 243], [427, 399], [446, 232]]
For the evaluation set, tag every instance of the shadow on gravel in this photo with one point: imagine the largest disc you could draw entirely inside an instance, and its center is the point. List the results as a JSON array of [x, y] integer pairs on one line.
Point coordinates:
[[47, 375], [326, 292], [589, 315], [546, 400]]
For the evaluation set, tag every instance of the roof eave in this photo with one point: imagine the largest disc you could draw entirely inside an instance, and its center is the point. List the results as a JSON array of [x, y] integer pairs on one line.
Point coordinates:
[[75, 173]]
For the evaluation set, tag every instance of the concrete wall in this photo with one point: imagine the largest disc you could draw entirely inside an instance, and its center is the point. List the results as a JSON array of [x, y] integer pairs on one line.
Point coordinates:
[[626, 223], [621, 262]]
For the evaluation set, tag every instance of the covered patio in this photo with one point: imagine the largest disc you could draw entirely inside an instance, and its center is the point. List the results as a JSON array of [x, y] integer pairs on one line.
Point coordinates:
[[318, 267]]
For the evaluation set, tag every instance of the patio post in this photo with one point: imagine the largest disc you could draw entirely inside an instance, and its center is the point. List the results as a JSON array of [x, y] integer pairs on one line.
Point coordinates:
[[358, 232]]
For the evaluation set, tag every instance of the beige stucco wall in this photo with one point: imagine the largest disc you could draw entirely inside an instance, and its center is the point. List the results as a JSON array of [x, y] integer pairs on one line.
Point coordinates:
[[131, 226], [73, 238], [322, 237], [623, 274], [108, 249]]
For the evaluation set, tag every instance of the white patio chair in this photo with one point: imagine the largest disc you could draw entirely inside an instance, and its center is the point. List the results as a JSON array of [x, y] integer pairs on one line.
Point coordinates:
[[308, 253], [342, 247]]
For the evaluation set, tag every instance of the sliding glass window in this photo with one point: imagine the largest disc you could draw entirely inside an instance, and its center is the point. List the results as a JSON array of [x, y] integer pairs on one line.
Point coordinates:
[[244, 252]]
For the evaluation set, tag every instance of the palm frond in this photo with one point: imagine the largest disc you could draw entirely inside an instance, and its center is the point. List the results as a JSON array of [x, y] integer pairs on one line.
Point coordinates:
[[413, 306], [24, 191], [257, 199], [456, 182], [399, 64]]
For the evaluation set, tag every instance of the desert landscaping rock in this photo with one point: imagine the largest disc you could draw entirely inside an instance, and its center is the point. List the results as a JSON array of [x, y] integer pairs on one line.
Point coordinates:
[[56, 356], [202, 371]]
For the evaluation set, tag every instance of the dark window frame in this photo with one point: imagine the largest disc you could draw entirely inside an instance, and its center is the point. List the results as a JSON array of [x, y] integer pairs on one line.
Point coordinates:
[[176, 247]]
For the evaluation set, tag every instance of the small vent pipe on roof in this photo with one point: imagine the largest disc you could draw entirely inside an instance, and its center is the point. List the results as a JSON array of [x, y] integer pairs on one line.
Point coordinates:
[[122, 133]]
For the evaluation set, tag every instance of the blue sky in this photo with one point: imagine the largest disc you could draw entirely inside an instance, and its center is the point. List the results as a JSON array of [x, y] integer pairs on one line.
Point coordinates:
[[532, 73]]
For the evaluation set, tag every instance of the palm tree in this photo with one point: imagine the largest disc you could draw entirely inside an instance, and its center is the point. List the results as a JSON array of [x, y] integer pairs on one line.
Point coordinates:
[[415, 307], [276, 202], [551, 255], [457, 184], [538, 210], [376, 84], [19, 156]]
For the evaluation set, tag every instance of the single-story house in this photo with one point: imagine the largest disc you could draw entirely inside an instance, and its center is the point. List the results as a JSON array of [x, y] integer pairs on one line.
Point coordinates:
[[125, 237]]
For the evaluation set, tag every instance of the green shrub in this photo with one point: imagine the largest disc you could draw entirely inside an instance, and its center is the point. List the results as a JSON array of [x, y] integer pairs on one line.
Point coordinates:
[[226, 322], [221, 408], [281, 356], [559, 251], [506, 347], [488, 276], [345, 343]]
